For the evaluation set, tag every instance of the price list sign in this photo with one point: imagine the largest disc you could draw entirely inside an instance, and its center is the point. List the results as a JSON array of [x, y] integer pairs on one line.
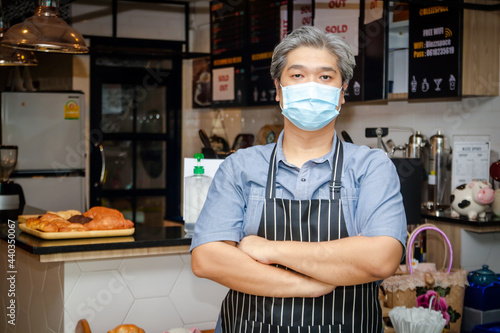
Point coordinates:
[[434, 66], [227, 31], [228, 41], [264, 30]]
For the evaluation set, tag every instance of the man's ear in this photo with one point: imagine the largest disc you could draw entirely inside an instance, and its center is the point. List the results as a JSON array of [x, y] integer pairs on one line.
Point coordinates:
[[278, 90], [342, 95]]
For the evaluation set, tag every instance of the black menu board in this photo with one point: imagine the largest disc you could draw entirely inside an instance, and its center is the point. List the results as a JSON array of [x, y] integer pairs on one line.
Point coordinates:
[[228, 28], [264, 30], [243, 35], [228, 47], [434, 67]]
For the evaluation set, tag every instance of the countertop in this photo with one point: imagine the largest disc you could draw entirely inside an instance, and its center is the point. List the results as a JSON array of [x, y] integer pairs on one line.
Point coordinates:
[[147, 240], [490, 221]]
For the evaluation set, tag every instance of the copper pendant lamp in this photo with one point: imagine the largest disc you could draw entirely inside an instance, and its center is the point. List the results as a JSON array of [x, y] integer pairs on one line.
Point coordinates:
[[45, 31], [10, 56]]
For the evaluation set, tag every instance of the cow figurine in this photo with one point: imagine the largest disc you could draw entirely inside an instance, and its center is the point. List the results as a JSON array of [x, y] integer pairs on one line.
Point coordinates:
[[472, 199]]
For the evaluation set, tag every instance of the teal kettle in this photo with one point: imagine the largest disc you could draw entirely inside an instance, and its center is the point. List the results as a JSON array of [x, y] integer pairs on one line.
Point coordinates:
[[483, 276]]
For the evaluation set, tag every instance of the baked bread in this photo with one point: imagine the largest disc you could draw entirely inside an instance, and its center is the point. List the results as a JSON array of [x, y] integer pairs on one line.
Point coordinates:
[[97, 218], [66, 214], [127, 328], [106, 219], [49, 222], [99, 211]]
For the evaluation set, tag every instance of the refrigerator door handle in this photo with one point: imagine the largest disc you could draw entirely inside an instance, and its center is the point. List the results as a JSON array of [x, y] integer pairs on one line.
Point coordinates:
[[103, 165]]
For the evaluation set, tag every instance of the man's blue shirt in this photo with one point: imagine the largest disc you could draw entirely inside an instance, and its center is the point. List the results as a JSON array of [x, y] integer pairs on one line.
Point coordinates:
[[370, 193]]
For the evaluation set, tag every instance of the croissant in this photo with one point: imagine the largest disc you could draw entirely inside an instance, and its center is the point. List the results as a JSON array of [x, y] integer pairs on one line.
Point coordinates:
[[70, 227], [109, 223], [66, 214], [106, 219], [50, 222], [100, 211], [44, 222]]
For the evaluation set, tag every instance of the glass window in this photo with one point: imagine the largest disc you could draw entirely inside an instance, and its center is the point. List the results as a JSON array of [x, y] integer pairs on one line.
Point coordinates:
[[151, 111], [117, 108], [118, 159], [151, 164]]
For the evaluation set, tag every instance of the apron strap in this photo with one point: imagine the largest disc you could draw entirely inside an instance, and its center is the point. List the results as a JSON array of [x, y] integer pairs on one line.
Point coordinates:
[[335, 183], [338, 161], [271, 176]]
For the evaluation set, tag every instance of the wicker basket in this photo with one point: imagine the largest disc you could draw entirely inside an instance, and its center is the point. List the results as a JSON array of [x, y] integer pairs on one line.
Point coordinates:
[[403, 288]]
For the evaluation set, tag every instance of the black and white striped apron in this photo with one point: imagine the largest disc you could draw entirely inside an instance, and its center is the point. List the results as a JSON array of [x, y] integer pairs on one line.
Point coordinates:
[[346, 309]]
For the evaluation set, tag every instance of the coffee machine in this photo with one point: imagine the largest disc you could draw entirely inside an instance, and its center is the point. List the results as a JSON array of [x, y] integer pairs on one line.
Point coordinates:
[[11, 194]]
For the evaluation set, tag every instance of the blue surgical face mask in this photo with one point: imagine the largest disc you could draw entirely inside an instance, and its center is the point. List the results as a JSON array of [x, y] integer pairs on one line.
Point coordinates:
[[310, 106]]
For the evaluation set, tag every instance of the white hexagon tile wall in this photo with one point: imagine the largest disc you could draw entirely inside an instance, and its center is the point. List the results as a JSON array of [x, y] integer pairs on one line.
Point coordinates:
[[156, 293]]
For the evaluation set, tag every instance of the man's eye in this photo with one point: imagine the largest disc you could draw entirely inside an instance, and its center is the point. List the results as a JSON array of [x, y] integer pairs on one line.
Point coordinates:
[[297, 75], [326, 77]]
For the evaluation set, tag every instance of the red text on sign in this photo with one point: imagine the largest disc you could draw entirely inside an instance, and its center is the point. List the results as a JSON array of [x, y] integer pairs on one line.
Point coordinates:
[[336, 28]]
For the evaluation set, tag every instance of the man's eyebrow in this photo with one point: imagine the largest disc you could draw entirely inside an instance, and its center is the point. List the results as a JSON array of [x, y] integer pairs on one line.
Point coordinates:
[[321, 68]]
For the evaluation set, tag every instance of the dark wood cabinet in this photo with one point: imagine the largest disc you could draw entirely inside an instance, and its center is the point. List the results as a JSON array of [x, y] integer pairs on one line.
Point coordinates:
[[135, 128]]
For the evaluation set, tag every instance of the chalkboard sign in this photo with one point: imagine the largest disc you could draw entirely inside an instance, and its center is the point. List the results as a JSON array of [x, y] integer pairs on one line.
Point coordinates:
[[264, 35], [434, 66], [228, 46], [243, 35]]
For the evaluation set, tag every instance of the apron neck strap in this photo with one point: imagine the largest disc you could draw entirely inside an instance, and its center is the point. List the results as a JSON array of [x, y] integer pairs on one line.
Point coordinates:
[[338, 161], [335, 183]]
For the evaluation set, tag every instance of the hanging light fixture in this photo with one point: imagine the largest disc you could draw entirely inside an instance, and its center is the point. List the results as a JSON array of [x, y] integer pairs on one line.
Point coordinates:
[[10, 56], [45, 31]]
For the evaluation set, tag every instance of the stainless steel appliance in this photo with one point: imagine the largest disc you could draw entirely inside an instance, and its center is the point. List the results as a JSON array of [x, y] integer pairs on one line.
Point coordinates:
[[49, 130], [439, 175], [418, 147]]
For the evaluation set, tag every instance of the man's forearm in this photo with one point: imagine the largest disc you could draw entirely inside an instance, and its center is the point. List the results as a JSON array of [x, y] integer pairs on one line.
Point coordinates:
[[347, 261], [229, 266]]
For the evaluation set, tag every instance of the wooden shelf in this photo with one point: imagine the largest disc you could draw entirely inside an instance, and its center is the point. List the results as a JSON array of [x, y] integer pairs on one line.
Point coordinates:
[[480, 59]]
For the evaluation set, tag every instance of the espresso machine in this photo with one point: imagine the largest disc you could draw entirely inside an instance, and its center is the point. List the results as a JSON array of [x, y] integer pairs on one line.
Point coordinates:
[[11, 194]]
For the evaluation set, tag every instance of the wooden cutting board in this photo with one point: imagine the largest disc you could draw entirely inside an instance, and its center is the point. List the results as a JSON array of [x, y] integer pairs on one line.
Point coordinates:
[[77, 234]]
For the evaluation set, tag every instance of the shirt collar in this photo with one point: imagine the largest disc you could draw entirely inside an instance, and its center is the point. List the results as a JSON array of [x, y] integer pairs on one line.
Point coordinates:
[[280, 156]]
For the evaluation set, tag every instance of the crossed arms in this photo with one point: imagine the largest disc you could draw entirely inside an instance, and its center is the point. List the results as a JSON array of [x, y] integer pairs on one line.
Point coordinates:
[[315, 268]]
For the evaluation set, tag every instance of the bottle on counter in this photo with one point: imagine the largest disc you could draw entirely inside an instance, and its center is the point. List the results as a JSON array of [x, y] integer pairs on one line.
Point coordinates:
[[196, 189]]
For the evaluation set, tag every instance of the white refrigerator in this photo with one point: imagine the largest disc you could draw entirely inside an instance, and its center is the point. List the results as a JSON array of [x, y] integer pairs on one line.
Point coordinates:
[[49, 130]]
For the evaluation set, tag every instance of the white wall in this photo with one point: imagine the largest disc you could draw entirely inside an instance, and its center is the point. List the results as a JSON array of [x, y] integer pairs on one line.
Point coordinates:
[[474, 115]]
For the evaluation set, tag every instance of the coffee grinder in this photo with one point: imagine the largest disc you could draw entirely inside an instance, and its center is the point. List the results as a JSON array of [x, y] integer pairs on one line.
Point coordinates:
[[11, 194]]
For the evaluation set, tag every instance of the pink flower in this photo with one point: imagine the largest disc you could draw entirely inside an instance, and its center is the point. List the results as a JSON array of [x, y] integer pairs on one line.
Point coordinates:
[[438, 303]]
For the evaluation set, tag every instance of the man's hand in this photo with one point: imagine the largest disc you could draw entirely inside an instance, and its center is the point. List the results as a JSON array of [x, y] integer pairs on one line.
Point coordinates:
[[258, 248]]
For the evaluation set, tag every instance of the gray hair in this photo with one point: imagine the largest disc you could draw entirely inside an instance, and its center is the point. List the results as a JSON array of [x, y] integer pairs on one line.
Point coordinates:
[[313, 37]]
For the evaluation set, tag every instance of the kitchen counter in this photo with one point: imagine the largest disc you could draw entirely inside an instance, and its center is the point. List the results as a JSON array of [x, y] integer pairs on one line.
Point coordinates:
[[108, 281], [474, 242], [491, 221], [146, 240]]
